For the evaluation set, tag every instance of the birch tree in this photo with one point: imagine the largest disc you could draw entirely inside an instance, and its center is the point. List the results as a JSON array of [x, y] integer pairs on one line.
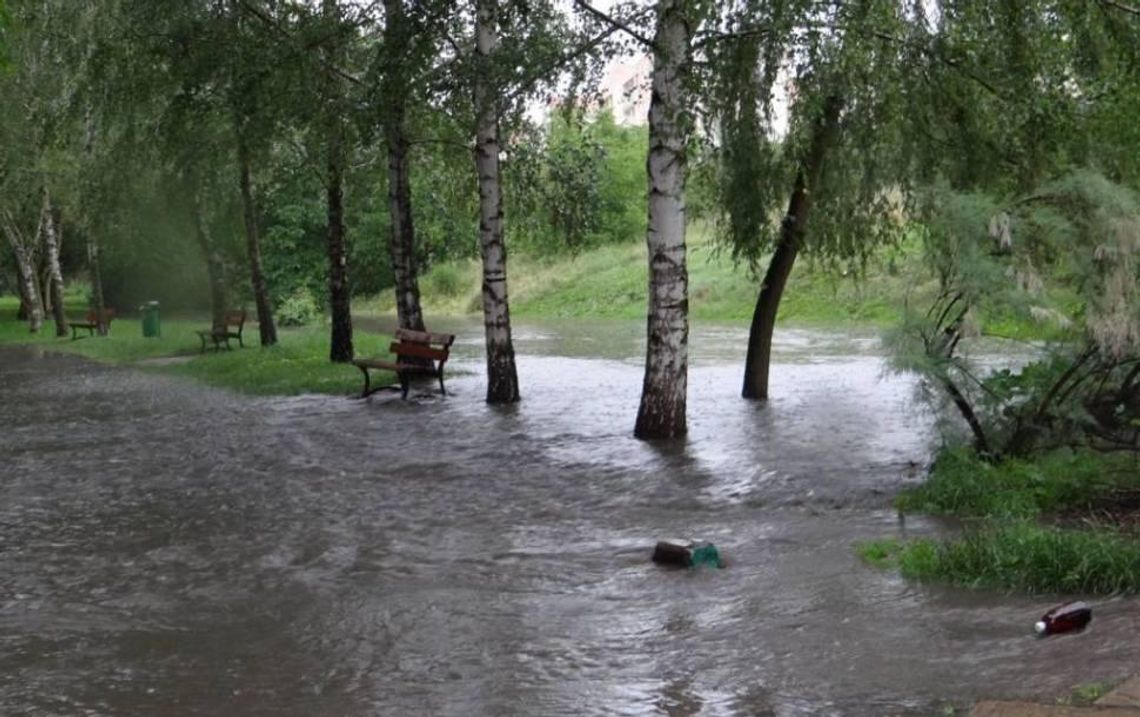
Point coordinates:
[[663, 394], [401, 64], [23, 249], [52, 234], [502, 376]]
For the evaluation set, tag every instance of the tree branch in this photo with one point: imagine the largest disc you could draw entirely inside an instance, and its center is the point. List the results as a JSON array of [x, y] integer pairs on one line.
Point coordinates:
[[273, 25], [1121, 6], [609, 19], [563, 60], [948, 61]]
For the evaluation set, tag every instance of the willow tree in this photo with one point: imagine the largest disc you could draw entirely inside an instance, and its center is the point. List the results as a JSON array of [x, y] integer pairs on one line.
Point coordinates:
[[837, 174]]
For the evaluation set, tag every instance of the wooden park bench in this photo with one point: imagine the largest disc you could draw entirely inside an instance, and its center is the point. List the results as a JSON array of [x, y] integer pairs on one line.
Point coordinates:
[[222, 334], [418, 353], [91, 323]]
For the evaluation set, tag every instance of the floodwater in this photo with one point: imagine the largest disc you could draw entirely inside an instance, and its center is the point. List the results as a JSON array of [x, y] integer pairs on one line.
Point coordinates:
[[170, 550]]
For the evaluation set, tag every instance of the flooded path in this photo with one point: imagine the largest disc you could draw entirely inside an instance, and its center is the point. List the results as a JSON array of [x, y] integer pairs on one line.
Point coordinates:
[[169, 550]]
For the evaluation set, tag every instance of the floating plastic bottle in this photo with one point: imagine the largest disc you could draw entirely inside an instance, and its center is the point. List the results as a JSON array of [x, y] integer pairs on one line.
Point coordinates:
[[1064, 618], [688, 555]]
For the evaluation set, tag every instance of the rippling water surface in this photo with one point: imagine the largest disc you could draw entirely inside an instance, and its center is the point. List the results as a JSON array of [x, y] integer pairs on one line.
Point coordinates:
[[171, 550]]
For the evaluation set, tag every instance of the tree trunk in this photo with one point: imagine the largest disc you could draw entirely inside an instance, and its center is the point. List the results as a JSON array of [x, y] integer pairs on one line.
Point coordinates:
[[97, 301], [53, 238], [502, 376], [340, 349], [402, 242], [215, 265], [663, 392], [265, 326], [26, 269], [340, 346], [759, 358]]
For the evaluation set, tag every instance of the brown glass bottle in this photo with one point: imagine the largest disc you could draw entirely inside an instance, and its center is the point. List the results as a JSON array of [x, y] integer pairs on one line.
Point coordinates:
[[1064, 618]]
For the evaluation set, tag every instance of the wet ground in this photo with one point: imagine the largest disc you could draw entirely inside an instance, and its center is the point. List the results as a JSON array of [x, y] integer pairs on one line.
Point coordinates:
[[171, 550]]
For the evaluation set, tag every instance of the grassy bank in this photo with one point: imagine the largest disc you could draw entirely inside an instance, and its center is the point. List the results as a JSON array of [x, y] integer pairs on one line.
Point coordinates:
[[610, 282], [1064, 523], [298, 364]]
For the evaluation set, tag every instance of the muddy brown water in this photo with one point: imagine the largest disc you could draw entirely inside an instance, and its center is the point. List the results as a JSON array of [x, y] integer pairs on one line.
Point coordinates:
[[171, 550]]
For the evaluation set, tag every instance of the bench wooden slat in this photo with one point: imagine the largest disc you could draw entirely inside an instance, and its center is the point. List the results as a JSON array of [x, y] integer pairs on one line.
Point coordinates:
[[91, 322], [424, 337], [418, 350], [222, 334], [410, 345]]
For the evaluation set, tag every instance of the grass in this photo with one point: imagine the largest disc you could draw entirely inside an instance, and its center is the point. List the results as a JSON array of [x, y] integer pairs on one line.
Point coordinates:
[[1022, 556], [962, 485], [1021, 534], [610, 282], [298, 364]]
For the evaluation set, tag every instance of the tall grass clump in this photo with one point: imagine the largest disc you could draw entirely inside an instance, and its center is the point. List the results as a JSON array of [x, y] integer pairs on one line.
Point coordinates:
[[964, 485], [1027, 557]]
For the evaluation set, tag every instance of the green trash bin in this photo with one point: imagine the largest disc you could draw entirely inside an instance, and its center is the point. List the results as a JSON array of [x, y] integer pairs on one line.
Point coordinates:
[[151, 327]]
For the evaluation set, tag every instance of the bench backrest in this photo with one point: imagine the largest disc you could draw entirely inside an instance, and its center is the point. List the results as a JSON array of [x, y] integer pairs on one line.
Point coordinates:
[[93, 316], [235, 318], [422, 345]]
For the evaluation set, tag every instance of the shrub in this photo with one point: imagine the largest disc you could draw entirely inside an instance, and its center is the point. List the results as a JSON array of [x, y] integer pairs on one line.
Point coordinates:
[[298, 309]]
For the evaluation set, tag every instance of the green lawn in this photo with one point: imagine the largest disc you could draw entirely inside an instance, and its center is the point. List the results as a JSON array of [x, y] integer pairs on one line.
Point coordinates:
[[298, 364], [611, 282]]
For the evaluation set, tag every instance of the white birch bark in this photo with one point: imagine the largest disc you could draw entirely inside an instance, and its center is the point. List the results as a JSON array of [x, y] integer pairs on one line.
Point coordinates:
[[502, 376], [663, 393], [52, 240], [24, 251]]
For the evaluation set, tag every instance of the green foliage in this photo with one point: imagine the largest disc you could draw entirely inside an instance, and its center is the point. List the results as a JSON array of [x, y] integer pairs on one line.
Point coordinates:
[[444, 280], [1027, 557], [881, 553], [580, 185], [1008, 543], [961, 484], [298, 309], [1087, 693], [1064, 256]]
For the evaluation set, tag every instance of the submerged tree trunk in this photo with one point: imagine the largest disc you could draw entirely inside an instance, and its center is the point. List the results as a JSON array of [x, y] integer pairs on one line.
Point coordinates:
[[23, 250], [758, 361], [402, 242], [53, 238], [215, 265], [663, 392], [502, 376], [267, 330]]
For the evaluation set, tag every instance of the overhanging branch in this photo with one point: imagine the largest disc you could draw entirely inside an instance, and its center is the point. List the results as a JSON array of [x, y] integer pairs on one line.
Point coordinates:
[[624, 27]]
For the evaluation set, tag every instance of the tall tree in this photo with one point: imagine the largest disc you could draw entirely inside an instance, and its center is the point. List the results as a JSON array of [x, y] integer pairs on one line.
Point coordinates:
[[53, 239], [502, 376], [333, 100], [663, 394], [399, 68], [23, 248], [840, 162], [247, 75]]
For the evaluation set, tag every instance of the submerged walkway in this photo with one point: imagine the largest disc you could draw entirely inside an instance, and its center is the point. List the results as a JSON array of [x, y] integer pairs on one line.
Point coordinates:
[[1124, 701]]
